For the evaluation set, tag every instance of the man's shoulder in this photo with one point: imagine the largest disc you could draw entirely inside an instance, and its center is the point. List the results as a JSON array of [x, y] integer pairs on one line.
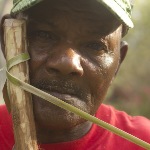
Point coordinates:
[[5, 118], [138, 126], [4, 114], [6, 129]]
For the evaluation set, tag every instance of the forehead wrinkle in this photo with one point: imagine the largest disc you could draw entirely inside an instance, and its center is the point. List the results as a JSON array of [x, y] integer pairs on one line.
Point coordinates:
[[94, 23], [96, 32], [41, 21]]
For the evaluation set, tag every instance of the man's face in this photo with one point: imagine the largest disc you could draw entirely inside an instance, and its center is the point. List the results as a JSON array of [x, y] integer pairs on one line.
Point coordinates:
[[75, 53]]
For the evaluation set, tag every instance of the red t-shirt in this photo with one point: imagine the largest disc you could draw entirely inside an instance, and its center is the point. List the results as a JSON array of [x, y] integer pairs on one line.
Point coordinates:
[[96, 139]]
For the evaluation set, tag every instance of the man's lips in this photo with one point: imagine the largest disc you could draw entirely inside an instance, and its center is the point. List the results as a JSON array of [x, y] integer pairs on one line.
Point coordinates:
[[62, 89], [61, 95]]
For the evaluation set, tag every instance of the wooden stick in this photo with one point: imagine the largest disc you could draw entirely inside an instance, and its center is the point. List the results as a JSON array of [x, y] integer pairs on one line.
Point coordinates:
[[21, 103]]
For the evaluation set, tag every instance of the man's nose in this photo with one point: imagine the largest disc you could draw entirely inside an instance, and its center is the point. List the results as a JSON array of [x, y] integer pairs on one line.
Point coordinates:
[[64, 61]]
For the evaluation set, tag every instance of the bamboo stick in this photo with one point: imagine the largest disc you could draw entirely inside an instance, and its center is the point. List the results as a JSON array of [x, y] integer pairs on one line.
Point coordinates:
[[21, 103]]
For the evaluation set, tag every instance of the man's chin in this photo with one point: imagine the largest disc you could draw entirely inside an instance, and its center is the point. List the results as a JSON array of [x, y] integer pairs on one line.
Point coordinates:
[[52, 117]]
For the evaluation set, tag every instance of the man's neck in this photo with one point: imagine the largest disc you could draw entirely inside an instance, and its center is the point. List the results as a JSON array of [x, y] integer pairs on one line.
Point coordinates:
[[49, 136]]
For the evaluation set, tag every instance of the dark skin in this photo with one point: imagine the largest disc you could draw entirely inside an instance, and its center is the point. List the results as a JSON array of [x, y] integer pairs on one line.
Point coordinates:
[[76, 51]]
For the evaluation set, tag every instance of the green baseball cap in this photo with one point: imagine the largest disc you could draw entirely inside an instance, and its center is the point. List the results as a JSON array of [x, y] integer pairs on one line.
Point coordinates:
[[121, 8]]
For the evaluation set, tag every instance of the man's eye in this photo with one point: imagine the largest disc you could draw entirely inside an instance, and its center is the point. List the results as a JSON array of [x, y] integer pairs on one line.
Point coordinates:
[[96, 46]]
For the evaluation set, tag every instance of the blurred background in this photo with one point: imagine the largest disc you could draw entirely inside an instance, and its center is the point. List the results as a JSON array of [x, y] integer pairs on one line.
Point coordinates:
[[5, 6], [131, 89]]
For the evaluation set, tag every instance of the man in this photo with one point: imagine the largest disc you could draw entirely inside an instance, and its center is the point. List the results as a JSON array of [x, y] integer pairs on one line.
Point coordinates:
[[76, 50]]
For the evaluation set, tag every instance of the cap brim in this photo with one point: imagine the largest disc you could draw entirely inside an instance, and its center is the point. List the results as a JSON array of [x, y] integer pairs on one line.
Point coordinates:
[[116, 9], [111, 5], [23, 5]]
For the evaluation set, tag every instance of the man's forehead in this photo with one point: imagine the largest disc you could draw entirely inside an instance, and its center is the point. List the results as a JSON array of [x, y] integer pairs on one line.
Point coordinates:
[[89, 22]]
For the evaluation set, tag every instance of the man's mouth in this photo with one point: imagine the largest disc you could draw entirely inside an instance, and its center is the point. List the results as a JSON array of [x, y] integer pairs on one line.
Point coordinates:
[[62, 95], [66, 91]]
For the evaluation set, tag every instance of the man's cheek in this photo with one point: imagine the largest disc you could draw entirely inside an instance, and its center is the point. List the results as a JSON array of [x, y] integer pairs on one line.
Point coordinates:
[[36, 62], [110, 64], [107, 61], [102, 76]]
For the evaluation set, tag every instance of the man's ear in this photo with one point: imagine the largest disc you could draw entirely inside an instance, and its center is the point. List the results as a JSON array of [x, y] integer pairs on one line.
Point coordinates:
[[123, 50], [2, 32]]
